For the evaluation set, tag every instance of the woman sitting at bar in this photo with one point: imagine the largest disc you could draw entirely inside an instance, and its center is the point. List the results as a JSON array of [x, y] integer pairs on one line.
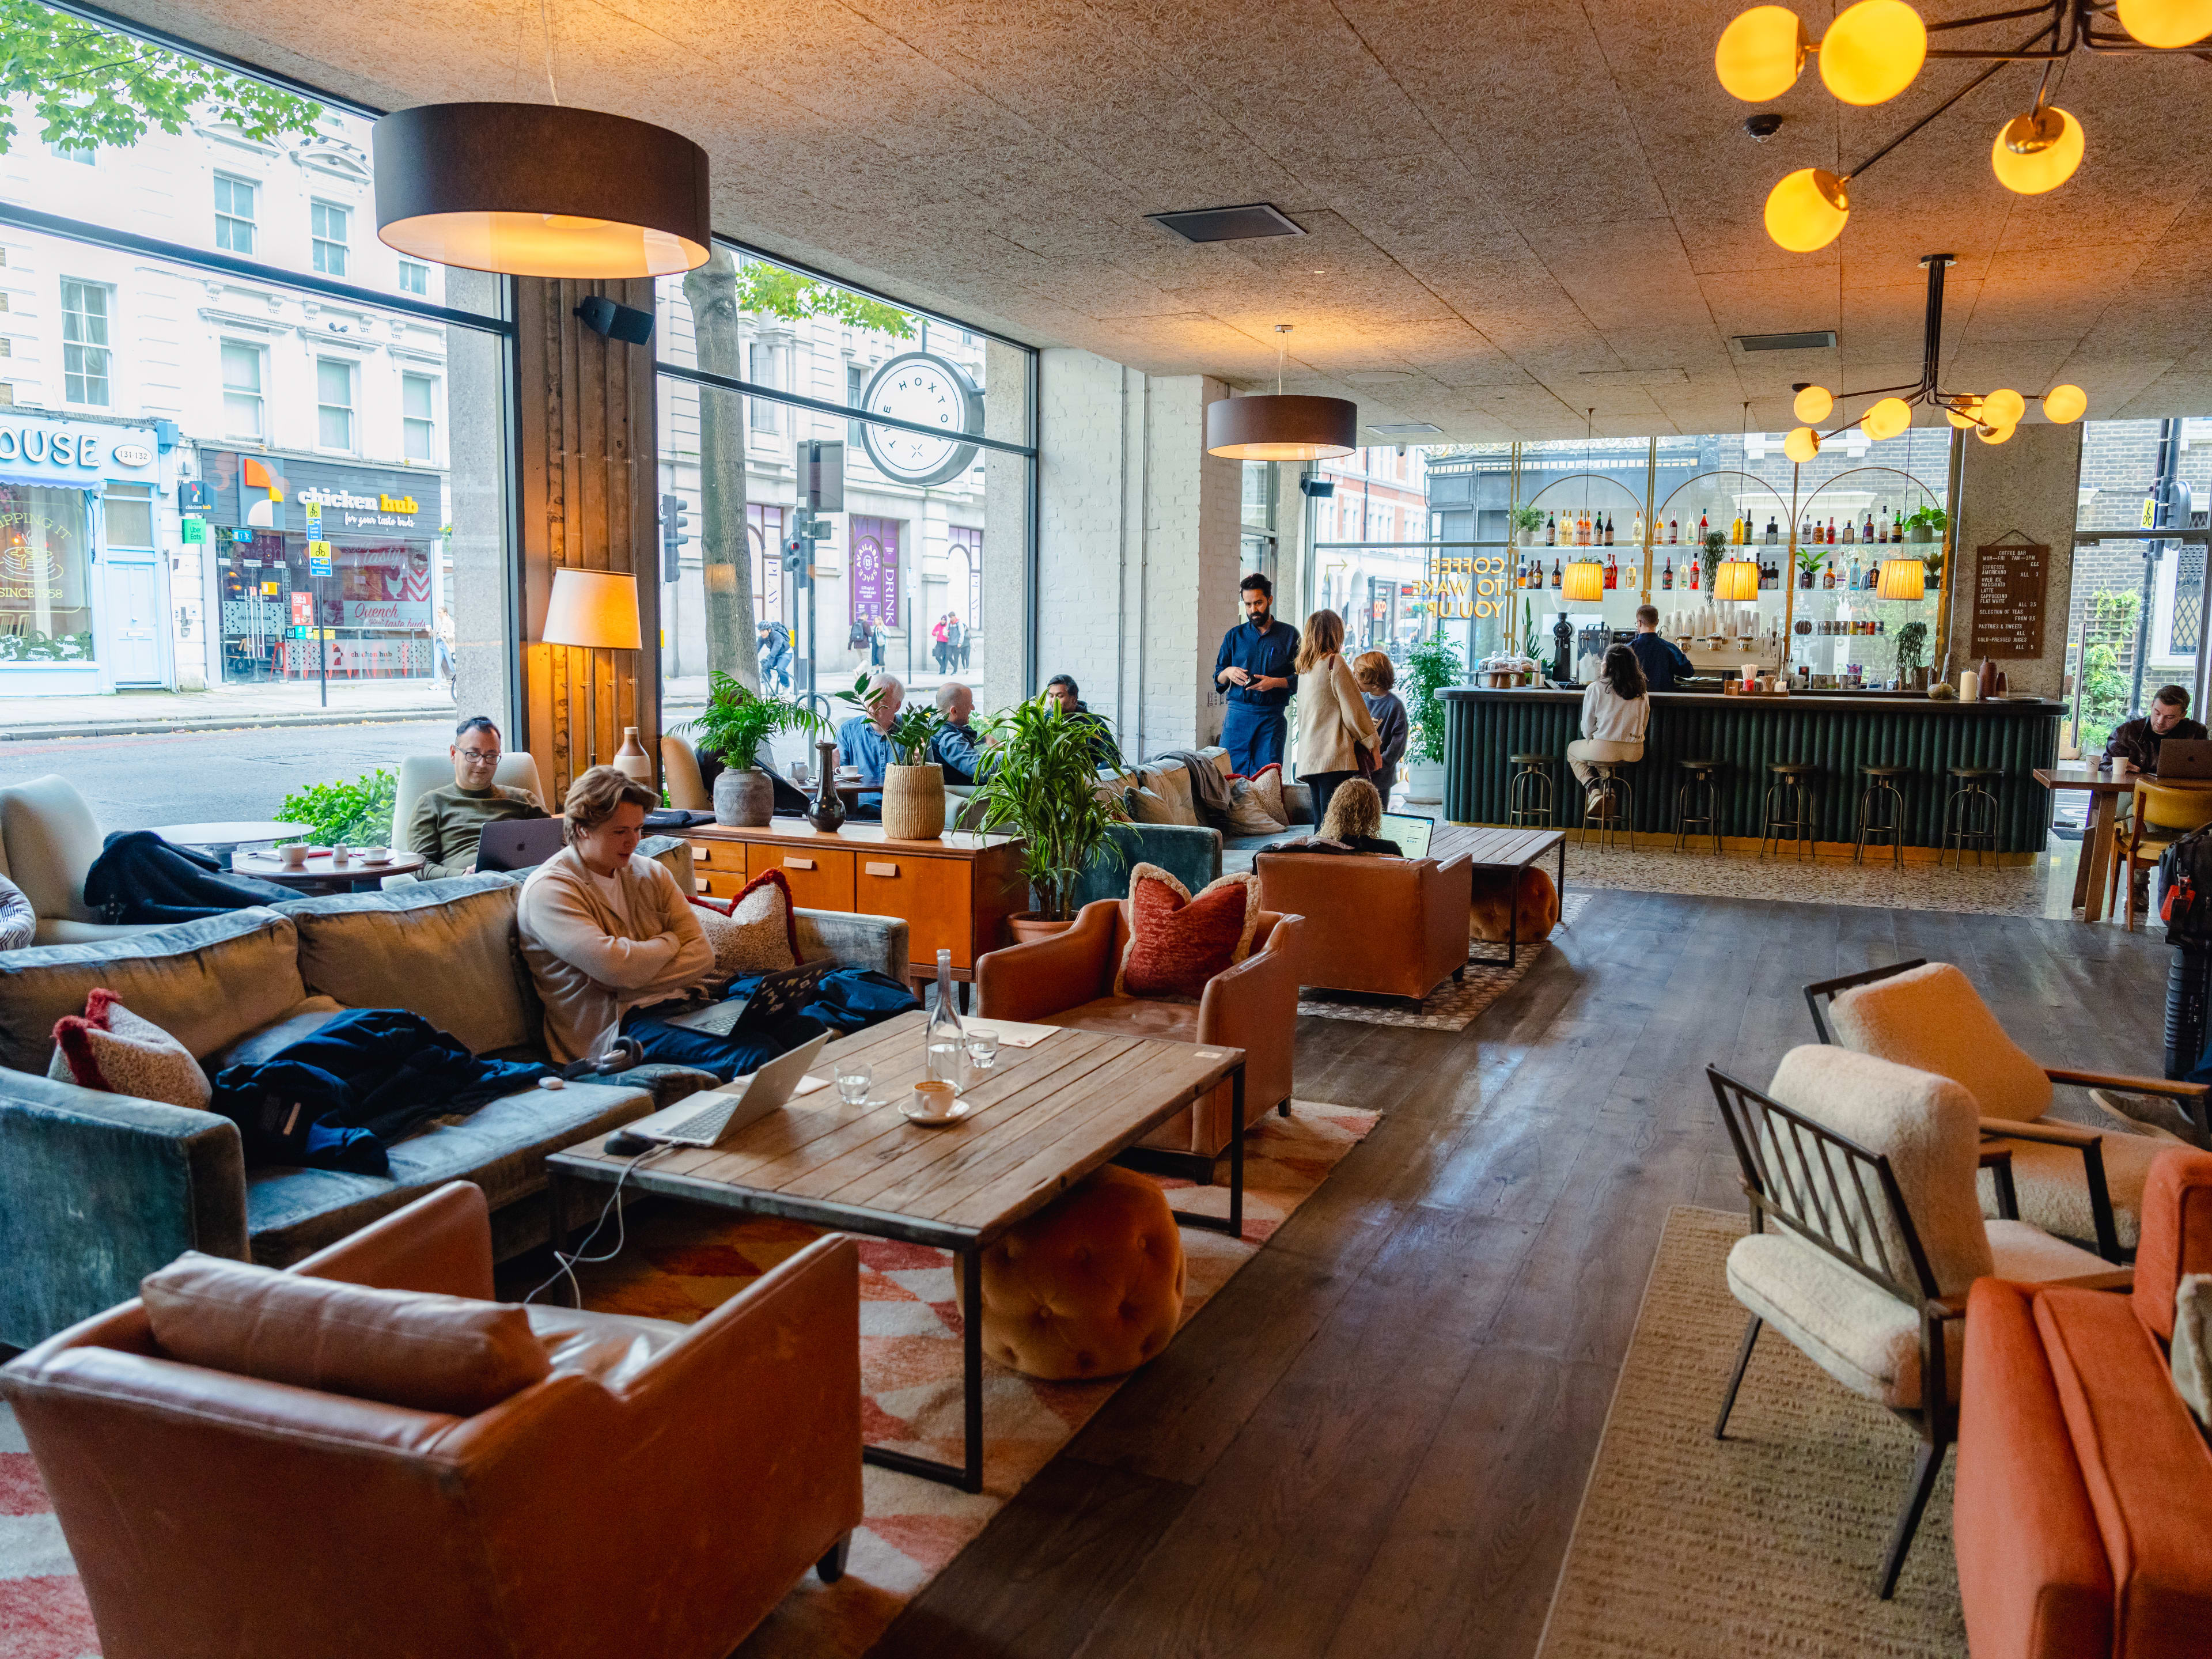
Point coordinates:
[[1616, 713]]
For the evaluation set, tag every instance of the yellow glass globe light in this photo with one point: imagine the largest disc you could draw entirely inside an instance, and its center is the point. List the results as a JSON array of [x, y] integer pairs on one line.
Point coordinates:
[[1737, 579], [1584, 583], [1963, 412], [1802, 445], [1807, 210], [2166, 23], [1760, 54], [2003, 407], [2037, 151], [2063, 405], [1886, 419], [1993, 434], [1872, 52], [1902, 579], [1813, 404]]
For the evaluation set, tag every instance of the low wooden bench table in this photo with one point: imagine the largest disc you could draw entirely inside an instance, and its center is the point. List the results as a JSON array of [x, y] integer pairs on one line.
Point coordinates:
[[1502, 849], [1047, 1116]]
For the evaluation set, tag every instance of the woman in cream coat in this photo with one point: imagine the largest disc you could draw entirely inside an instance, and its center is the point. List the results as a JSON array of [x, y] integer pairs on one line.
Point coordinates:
[[1333, 714]]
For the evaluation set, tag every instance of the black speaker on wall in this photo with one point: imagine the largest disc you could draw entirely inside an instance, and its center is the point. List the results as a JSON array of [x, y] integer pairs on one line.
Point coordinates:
[[617, 322]]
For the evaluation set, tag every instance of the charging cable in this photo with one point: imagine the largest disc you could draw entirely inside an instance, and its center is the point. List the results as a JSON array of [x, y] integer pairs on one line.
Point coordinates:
[[567, 1261]]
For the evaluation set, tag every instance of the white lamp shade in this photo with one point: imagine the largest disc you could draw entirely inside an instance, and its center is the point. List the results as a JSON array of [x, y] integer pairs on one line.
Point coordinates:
[[594, 609], [1903, 578]]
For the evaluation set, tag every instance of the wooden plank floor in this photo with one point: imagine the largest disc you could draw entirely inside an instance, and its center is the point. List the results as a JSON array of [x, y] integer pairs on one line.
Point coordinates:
[[1374, 1439]]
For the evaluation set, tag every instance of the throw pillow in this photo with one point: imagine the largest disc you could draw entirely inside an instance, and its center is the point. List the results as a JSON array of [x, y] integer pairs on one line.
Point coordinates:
[[1149, 801], [1267, 786], [754, 933], [1248, 814], [112, 1049], [1178, 942], [1172, 784], [2193, 1344]]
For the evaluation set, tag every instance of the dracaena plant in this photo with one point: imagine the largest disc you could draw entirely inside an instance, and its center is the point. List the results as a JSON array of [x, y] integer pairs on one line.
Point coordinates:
[[911, 729], [1044, 786], [737, 721]]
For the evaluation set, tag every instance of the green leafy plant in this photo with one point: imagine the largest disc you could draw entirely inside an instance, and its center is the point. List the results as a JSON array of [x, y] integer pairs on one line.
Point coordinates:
[[1911, 643], [736, 721], [91, 88], [2109, 628], [1045, 789], [34, 647], [1810, 558], [912, 727], [1526, 518], [773, 291], [1532, 646], [1711, 553], [1934, 518], [1430, 666], [359, 813]]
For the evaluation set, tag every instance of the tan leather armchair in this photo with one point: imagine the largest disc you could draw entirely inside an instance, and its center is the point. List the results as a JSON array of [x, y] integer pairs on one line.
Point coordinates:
[[1388, 926], [1068, 980], [662, 1489]]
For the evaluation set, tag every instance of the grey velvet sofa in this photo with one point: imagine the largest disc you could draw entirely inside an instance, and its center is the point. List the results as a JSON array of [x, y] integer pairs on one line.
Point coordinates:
[[97, 1190]]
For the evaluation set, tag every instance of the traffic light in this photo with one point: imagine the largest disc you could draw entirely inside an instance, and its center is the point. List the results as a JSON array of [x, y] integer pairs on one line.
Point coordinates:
[[674, 517]]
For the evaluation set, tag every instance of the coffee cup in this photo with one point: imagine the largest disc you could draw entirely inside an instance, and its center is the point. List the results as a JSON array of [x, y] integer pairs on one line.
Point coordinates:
[[294, 856], [375, 854], [933, 1098]]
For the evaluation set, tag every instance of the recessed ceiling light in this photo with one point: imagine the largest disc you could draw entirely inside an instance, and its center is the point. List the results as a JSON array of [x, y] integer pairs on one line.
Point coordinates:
[[1811, 339], [1408, 429], [1227, 224]]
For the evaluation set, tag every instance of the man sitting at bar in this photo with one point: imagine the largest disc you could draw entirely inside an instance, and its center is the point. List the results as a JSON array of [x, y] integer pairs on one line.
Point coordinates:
[[2134, 743], [955, 745], [1661, 660], [448, 823], [864, 741]]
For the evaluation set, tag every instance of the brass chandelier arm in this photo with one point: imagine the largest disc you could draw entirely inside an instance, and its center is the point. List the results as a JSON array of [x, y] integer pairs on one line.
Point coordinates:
[[1971, 86], [2046, 8]]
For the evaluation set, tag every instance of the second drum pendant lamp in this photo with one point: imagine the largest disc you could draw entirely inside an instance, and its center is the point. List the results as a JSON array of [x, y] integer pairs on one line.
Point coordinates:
[[1264, 427], [537, 190]]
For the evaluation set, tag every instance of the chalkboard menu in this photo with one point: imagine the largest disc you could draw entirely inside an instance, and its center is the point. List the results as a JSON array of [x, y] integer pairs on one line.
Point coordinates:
[[2009, 579]]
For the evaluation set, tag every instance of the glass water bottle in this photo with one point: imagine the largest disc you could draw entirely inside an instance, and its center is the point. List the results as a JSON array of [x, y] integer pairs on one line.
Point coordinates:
[[942, 1040]]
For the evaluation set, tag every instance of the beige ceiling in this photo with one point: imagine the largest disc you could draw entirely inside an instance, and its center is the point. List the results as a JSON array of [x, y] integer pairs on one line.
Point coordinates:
[[1517, 210]]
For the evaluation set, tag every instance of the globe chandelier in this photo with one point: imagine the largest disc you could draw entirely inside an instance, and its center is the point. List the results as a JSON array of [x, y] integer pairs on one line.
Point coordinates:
[[1991, 415], [1875, 49]]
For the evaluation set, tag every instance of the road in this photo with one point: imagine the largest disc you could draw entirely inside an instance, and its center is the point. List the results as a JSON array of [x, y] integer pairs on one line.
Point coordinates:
[[191, 777]]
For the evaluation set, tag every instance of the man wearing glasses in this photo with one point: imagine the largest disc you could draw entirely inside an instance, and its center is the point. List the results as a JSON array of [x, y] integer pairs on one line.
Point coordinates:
[[448, 823]]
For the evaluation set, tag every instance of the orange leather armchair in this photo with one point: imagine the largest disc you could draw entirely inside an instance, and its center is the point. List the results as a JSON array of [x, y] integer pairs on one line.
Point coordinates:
[[1068, 980], [660, 1490], [1388, 926], [2083, 1516]]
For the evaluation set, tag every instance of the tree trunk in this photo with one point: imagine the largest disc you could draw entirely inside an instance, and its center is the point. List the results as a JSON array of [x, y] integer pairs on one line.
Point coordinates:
[[725, 564]]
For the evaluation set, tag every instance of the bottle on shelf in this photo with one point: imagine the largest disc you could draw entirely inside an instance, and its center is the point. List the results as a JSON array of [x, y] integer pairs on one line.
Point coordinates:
[[1552, 530], [1582, 529], [1832, 530], [1857, 572], [1704, 529], [1693, 567], [1828, 576], [1673, 532], [1866, 531], [1882, 524], [1773, 530], [1555, 573], [1608, 530], [1611, 573], [1666, 576], [1851, 529], [1635, 530], [941, 1039]]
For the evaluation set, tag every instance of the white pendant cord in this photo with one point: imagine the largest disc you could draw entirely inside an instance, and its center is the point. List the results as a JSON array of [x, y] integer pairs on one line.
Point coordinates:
[[545, 19]]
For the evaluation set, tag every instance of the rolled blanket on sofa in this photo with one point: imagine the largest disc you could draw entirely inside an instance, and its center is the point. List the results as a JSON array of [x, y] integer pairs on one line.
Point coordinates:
[[139, 878]]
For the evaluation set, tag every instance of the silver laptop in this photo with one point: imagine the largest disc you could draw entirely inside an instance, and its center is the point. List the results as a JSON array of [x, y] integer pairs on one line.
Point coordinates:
[[717, 1116], [1409, 830], [2184, 760], [518, 843]]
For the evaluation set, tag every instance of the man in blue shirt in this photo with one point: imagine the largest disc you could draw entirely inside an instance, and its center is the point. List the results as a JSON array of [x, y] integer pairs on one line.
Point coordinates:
[[864, 741], [1661, 660], [1257, 663], [955, 745]]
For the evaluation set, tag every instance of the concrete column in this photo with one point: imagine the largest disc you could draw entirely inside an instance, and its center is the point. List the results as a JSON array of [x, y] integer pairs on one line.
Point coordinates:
[[1003, 654], [2025, 487]]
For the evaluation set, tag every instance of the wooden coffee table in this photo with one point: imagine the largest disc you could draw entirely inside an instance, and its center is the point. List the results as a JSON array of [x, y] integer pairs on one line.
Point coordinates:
[[1047, 1116], [320, 875], [1502, 849]]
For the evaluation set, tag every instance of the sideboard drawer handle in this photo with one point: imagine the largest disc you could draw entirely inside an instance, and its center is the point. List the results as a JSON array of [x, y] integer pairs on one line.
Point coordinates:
[[703, 853], [798, 864], [875, 869]]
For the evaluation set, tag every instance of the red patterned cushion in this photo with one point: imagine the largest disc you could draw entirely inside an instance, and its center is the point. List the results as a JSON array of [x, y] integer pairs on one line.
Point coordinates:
[[110, 1048], [1176, 942], [754, 933]]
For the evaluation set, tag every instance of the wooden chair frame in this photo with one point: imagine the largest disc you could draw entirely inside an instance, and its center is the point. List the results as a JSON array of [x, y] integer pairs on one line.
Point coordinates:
[[2127, 838]]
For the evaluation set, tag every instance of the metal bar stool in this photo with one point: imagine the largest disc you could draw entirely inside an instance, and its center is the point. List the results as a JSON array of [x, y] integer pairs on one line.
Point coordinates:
[[1788, 807], [1609, 802], [1970, 815], [1882, 812], [1529, 792], [1696, 804]]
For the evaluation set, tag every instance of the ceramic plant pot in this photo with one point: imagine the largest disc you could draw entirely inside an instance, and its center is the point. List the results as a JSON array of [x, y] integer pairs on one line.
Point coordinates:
[[1029, 926], [826, 812], [913, 802], [745, 798]]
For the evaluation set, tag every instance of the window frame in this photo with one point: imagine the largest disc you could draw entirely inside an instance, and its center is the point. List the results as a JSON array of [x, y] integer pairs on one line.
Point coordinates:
[[259, 392], [428, 420], [106, 351], [351, 407], [318, 242], [418, 270], [229, 216]]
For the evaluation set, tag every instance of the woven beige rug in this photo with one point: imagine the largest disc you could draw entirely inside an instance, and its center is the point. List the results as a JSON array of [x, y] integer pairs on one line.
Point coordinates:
[[1765, 1543], [1452, 1005]]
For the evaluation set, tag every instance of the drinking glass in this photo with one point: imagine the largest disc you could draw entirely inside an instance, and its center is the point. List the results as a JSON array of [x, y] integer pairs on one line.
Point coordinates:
[[852, 1081], [982, 1049]]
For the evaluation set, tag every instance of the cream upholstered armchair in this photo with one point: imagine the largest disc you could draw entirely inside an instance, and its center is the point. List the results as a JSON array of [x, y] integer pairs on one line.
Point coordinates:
[[2080, 1183], [48, 839], [1866, 1170], [420, 774]]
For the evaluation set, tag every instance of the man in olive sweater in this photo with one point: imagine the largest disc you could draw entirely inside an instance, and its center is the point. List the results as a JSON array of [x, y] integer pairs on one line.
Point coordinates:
[[447, 823]]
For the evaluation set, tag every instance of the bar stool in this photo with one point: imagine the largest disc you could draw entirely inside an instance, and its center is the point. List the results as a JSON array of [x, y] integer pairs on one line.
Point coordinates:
[[1529, 792], [1971, 814], [1787, 807], [1697, 802], [1613, 787], [1881, 811]]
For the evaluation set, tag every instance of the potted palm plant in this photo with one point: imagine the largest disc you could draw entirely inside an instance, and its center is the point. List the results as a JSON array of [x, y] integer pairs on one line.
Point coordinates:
[[1042, 785], [734, 724], [914, 784], [1430, 666]]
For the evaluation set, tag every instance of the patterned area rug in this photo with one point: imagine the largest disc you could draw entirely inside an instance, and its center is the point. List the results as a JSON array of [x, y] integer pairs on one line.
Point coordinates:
[[1453, 1005], [680, 1263], [1766, 1542], [2013, 890]]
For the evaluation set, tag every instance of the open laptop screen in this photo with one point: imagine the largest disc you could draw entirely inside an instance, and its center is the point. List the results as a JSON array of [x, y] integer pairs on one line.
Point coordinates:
[[1412, 834]]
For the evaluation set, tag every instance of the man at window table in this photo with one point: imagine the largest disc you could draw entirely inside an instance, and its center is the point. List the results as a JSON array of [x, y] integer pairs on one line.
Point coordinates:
[[1257, 667], [955, 745], [2134, 743], [864, 741], [448, 823]]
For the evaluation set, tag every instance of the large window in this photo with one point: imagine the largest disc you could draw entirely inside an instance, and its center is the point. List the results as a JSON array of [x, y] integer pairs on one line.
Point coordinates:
[[241, 391], [46, 592], [418, 420], [414, 277], [761, 371], [333, 404], [233, 215], [327, 225], [85, 308]]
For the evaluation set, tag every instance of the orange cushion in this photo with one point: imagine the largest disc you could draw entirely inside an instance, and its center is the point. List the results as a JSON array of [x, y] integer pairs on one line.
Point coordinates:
[[1490, 915], [429, 1353], [112, 1049], [1178, 942], [2147, 1472], [2176, 1232]]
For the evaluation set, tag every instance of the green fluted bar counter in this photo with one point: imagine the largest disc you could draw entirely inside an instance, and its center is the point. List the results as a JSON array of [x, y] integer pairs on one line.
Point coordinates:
[[1837, 734]]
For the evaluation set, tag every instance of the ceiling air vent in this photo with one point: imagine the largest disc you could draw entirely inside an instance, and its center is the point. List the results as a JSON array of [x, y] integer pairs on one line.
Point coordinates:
[[1227, 224], [1403, 429], [1811, 339]]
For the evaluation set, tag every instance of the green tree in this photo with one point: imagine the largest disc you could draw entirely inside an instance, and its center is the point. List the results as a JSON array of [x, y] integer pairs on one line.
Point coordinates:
[[2109, 628], [91, 88], [772, 291]]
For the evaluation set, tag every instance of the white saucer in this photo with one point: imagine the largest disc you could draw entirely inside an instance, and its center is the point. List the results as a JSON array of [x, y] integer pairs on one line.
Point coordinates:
[[960, 1108], [374, 863]]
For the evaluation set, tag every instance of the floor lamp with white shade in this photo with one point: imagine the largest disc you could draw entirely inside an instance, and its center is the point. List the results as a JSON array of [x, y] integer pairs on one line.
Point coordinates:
[[593, 610]]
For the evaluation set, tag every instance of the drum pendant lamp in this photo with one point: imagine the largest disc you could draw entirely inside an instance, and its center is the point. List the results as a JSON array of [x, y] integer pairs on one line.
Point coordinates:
[[539, 190], [1276, 428]]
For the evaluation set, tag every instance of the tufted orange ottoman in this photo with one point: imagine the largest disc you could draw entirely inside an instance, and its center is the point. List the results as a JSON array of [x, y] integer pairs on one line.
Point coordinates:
[[1091, 1287], [1488, 914]]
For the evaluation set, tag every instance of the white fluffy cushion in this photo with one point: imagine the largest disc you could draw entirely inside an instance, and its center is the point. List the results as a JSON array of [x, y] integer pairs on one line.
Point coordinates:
[[2193, 1344], [1931, 1017], [2053, 1188], [1843, 1322], [112, 1049], [1267, 788], [754, 933]]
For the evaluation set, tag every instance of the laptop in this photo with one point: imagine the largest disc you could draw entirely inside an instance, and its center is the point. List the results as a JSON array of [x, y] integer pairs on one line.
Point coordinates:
[[1411, 833], [781, 994], [2184, 760], [716, 1115], [518, 843]]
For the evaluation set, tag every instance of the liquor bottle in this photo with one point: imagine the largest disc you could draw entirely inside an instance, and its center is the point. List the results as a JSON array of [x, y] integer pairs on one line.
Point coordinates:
[[1866, 533], [1851, 529], [1636, 531], [1693, 567], [1673, 532], [1828, 576], [1666, 576], [1609, 535], [1854, 582], [941, 1039], [1704, 529], [1773, 530], [1555, 573], [1552, 530], [1882, 524], [1832, 530]]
